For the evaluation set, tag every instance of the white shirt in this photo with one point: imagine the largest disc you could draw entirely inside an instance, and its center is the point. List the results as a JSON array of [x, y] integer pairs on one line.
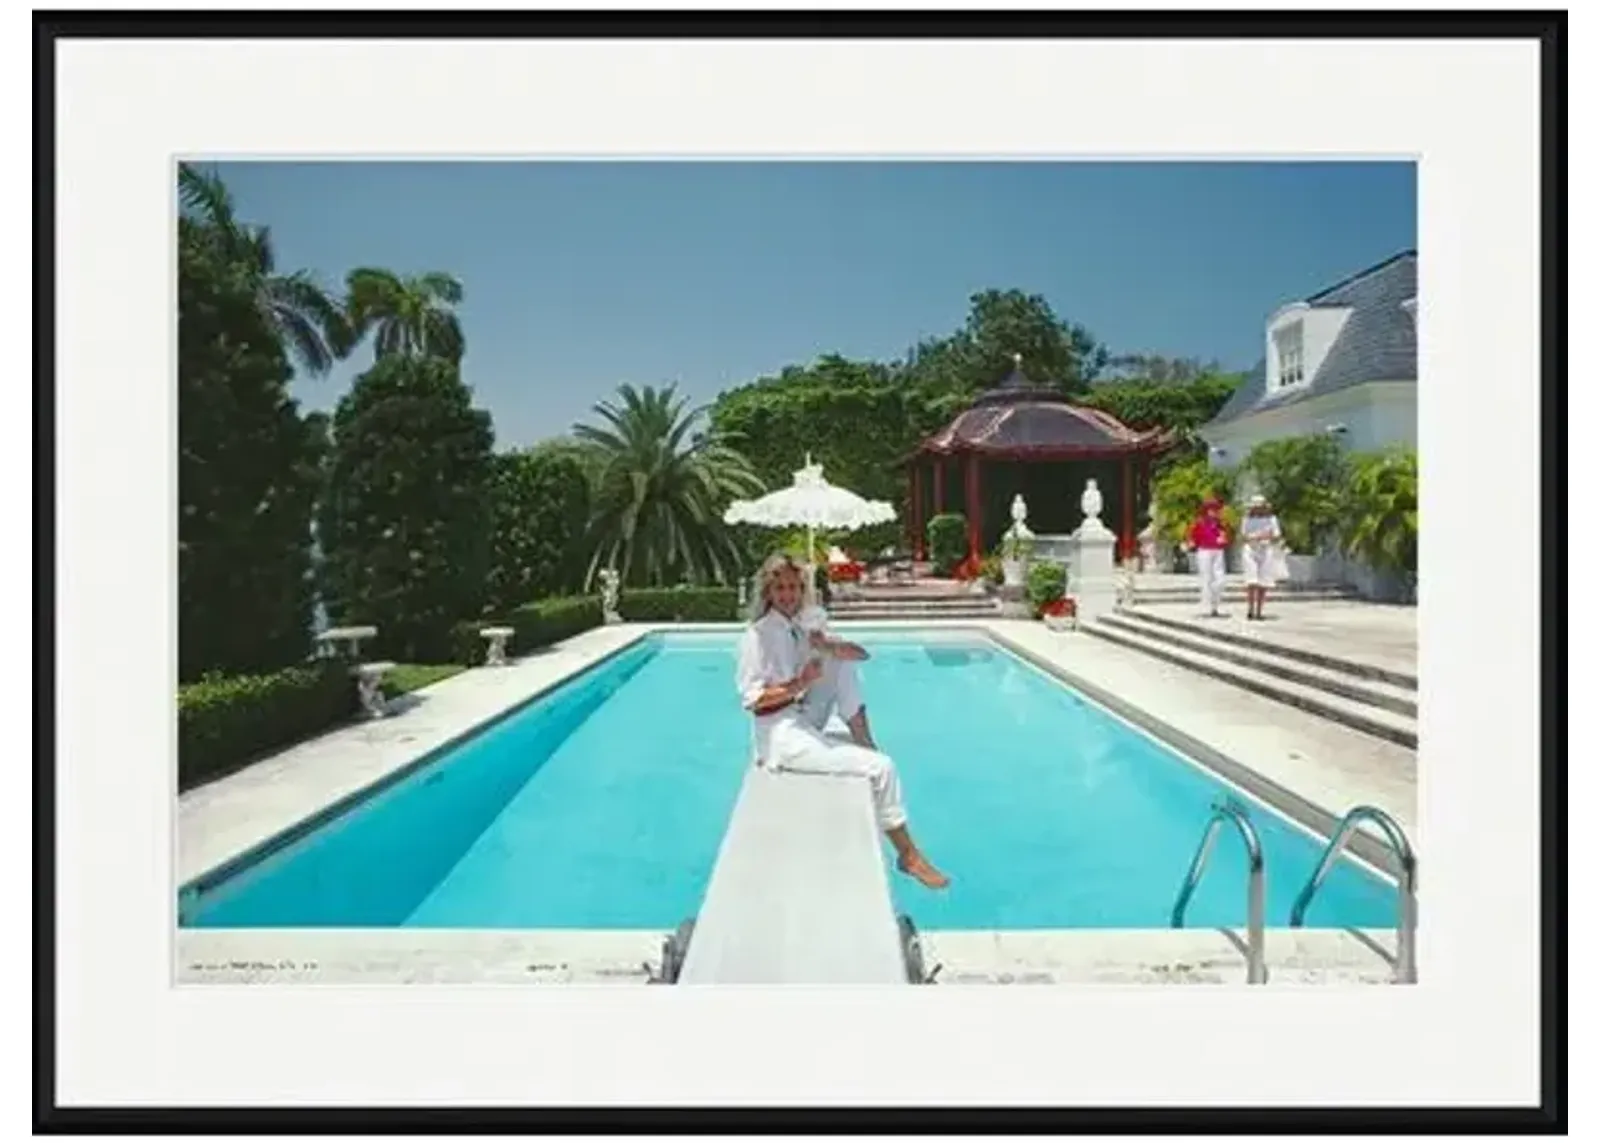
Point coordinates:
[[1257, 528], [771, 651]]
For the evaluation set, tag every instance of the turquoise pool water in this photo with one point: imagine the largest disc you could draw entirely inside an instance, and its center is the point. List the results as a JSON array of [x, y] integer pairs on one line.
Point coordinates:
[[602, 804]]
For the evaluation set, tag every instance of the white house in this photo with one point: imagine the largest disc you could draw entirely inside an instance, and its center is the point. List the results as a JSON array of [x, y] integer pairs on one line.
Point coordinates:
[[1342, 361]]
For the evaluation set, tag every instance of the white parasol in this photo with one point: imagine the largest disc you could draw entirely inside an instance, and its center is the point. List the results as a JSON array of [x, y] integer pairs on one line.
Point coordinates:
[[810, 503]]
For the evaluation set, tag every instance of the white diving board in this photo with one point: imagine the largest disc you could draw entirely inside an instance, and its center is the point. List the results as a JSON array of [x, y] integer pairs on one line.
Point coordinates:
[[799, 893]]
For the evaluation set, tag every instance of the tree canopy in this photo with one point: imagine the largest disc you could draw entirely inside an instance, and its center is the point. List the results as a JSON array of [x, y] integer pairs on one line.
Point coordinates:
[[247, 458], [405, 517]]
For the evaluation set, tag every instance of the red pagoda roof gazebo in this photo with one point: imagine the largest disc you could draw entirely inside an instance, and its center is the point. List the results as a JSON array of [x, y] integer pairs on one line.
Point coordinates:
[[1021, 420]]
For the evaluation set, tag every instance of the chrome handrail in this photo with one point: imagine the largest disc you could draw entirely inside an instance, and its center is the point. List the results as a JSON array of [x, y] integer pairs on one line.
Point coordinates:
[[1405, 948], [1229, 809]]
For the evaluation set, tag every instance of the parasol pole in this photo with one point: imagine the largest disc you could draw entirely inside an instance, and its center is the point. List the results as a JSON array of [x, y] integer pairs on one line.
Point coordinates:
[[811, 555]]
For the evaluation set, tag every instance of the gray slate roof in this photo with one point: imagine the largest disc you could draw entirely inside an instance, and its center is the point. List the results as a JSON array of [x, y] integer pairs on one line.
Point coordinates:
[[1377, 343]]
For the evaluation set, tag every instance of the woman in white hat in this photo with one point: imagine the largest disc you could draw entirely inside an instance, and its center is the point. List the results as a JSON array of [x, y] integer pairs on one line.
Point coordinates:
[[1259, 554]]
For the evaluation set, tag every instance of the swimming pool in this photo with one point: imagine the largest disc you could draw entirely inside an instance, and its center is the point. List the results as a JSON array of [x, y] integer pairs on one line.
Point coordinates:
[[601, 804]]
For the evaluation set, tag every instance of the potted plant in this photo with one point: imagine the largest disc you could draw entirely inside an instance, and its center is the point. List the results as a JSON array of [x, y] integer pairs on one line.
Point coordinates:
[[992, 570], [970, 572], [947, 540], [1060, 614], [1014, 551], [1047, 591]]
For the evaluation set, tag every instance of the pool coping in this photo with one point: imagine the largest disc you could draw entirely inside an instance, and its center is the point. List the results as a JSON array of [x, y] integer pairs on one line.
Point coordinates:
[[488, 958]]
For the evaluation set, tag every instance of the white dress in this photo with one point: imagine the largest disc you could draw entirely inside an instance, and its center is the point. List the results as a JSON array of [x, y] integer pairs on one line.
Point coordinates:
[[771, 652], [1259, 557]]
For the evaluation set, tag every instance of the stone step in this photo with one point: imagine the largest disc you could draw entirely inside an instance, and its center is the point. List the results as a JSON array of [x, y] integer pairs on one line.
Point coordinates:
[[1234, 593], [1265, 657], [903, 594], [957, 602], [881, 614], [1393, 678], [1362, 716]]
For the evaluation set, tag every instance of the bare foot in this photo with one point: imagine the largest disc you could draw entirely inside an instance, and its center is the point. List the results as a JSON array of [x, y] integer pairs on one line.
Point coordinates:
[[919, 868]]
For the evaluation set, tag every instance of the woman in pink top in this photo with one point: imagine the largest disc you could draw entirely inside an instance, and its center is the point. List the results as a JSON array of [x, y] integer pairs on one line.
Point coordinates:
[[1208, 539]]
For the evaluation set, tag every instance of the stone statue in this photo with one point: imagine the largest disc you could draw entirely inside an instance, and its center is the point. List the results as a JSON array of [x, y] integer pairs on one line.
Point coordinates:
[[1091, 502], [1019, 510], [608, 595], [1149, 544]]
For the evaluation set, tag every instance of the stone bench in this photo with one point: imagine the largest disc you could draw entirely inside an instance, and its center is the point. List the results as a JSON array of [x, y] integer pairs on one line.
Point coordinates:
[[497, 636], [800, 892], [369, 687]]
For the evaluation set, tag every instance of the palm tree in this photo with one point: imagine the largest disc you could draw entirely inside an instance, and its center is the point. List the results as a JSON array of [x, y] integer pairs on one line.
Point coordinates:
[[308, 321], [412, 315], [661, 491]]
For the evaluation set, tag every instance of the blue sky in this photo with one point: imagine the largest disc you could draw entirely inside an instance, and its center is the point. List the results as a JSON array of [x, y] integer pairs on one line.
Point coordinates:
[[579, 276]]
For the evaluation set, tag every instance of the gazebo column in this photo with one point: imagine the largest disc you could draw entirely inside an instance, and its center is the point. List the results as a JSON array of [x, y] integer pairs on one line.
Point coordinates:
[[918, 547], [974, 507], [1127, 541], [938, 484]]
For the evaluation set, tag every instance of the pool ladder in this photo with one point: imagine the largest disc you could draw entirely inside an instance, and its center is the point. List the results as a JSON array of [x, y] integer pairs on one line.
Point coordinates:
[[1405, 946], [1231, 810]]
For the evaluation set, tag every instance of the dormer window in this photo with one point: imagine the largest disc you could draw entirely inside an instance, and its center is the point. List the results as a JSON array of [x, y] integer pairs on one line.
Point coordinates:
[[1289, 352]]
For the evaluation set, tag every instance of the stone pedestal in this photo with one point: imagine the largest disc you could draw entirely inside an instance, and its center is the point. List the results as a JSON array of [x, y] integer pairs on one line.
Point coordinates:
[[1094, 569], [1014, 602], [1060, 549]]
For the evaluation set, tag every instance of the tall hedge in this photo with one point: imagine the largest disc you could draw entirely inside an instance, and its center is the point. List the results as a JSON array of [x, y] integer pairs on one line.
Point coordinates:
[[851, 417], [533, 625], [247, 477], [947, 541], [1184, 405], [538, 507], [405, 520], [685, 604], [225, 721]]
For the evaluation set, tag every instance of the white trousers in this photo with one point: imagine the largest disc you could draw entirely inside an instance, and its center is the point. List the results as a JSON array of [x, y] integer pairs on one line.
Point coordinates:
[[839, 689], [800, 746], [1210, 564]]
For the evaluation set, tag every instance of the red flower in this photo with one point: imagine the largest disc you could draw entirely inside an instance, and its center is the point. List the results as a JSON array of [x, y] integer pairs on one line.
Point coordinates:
[[1060, 607], [969, 569]]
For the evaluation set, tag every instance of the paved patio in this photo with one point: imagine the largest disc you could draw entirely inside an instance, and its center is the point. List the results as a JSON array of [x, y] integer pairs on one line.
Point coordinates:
[[1382, 635]]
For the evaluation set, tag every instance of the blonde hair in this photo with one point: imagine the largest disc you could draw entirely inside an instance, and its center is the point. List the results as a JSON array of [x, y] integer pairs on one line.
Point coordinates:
[[761, 588]]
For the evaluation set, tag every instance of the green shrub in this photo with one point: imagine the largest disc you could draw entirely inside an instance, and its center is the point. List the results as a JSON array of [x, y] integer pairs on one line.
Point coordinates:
[[992, 570], [1379, 505], [1047, 582], [1304, 478], [534, 625], [1179, 491], [679, 604], [225, 721], [947, 541], [468, 647]]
